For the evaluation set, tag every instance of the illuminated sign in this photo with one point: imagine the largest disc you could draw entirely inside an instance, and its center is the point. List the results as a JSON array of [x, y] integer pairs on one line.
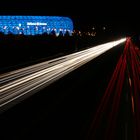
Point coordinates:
[[36, 23]]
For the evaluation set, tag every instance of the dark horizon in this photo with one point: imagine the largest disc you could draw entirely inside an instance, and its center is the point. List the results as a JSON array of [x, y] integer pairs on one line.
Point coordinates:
[[85, 15]]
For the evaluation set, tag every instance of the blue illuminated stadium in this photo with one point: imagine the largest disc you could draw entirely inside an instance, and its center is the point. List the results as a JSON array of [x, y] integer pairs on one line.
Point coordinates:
[[34, 25]]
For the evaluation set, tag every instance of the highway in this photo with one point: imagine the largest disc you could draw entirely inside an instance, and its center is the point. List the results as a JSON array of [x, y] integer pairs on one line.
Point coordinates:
[[19, 84], [68, 108]]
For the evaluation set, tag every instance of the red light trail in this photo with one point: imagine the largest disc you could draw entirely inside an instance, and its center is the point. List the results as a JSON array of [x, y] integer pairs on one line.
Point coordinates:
[[127, 70]]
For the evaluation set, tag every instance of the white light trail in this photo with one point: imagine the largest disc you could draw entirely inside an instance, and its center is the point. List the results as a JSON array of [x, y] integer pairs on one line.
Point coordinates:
[[24, 82]]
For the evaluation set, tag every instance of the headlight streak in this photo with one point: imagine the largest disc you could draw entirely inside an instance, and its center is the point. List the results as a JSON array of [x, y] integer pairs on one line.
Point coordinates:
[[27, 80]]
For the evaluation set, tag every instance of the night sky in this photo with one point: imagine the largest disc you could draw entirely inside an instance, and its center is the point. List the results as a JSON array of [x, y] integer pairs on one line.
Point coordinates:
[[85, 14]]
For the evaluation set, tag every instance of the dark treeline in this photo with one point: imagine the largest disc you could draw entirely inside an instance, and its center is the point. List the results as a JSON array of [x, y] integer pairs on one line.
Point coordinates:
[[18, 51]]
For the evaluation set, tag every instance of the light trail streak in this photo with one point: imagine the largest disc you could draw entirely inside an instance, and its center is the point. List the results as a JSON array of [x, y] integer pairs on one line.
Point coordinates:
[[24, 82], [132, 99], [32, 69], [128, 62]]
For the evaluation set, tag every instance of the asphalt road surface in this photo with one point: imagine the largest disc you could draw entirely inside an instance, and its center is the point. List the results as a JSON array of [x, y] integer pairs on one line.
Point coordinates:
[[64, 109]]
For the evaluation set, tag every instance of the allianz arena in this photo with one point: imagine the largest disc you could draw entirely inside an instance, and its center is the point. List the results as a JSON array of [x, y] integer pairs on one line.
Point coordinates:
[[35, 25]]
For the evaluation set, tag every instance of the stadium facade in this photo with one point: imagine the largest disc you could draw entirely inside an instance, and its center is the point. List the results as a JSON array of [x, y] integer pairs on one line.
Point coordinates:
[[34, 25]]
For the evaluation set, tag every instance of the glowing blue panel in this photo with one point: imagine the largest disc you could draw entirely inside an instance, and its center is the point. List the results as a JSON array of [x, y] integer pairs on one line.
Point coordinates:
[[34, 25]]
